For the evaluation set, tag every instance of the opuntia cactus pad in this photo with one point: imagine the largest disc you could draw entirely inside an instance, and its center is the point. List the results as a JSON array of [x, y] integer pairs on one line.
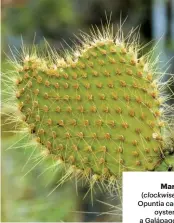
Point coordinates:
[[98, 111]]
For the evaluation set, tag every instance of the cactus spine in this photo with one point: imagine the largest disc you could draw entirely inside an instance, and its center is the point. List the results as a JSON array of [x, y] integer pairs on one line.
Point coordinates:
[[98, 111]]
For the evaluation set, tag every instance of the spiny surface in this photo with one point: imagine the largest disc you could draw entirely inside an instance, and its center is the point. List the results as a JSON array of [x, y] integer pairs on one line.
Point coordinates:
[[98, 113]]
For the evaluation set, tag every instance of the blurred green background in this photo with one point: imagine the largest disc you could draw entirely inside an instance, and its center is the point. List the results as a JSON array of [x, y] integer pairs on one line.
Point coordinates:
[[24, 192]]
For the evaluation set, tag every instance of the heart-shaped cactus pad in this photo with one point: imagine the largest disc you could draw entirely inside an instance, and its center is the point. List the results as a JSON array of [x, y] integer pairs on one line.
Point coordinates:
[[96, 112]]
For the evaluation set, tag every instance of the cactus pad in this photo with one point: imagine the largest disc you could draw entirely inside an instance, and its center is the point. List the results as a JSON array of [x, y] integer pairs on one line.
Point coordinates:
[[98, 112]]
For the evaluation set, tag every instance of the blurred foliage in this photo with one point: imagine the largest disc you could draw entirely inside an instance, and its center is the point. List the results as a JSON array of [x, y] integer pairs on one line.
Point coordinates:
[[25, 197], [47, 16], [56, 19]]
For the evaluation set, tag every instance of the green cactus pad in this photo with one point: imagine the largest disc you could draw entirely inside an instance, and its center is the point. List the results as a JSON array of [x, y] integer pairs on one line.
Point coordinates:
[[98, 113]]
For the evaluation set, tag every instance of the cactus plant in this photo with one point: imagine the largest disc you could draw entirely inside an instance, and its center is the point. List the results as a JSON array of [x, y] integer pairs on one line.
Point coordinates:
[[97, 112]]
